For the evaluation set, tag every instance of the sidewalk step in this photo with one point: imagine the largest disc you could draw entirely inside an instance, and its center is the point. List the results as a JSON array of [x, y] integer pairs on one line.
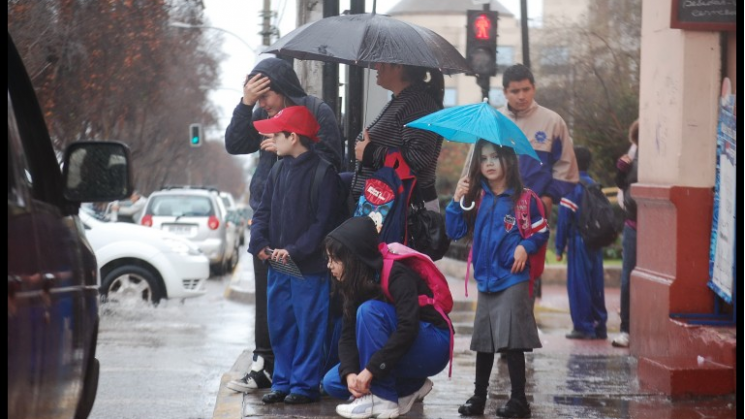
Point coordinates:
[[462, 316], [463, 328], [681, 375]]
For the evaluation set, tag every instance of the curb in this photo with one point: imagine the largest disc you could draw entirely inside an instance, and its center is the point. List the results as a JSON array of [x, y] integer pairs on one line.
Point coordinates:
[[228, 402], [234, 292]]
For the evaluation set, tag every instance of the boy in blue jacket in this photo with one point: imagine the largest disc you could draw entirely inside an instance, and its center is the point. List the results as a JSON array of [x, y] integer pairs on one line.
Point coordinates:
[[585, 265], [289, 223]]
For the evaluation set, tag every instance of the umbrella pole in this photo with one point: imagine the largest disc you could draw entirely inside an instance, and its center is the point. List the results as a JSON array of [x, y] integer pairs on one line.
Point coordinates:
[[468, 174]]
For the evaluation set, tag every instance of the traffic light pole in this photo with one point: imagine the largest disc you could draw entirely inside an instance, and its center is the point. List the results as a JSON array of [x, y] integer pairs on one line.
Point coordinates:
[[485, 81]]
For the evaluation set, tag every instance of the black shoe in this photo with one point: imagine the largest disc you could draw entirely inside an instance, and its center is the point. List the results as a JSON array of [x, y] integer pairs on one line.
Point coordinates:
[[514, 408], [601, 333], [294, 398], [274, 396], [473, 406], [576, 334]]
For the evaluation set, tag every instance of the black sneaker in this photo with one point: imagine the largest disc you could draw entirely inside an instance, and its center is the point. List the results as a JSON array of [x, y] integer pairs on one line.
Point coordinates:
[[250, 382], [576, 334], [473, 406], [514, 408], [274, 396], [294, 398]]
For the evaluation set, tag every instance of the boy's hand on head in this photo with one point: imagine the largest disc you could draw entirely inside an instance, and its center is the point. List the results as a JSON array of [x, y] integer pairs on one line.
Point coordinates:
[[254, 87], [521, 257], [268, 145]]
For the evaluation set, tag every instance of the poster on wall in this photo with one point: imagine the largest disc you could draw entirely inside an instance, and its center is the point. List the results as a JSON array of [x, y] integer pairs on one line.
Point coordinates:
[[722, 252]]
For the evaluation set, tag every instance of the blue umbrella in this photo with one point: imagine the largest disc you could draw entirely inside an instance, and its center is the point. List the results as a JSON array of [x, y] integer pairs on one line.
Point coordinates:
[[470, 123]]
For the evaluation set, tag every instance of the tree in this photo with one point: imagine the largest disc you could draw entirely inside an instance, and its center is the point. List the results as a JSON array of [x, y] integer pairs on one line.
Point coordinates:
[[115, 70], [589, 73]]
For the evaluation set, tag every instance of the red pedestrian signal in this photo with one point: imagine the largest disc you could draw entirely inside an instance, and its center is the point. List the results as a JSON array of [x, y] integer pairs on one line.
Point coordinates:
[[481, 42]]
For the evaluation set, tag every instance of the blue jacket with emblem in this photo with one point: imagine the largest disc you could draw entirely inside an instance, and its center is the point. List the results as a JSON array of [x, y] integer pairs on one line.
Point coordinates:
[[495, 238]]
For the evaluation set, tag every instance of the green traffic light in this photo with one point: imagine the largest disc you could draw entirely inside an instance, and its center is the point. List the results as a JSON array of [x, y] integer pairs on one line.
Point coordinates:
[[195, 140]]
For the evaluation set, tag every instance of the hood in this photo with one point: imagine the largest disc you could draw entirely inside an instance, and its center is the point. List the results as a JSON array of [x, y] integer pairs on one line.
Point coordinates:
[[360, 235], [283, 77]]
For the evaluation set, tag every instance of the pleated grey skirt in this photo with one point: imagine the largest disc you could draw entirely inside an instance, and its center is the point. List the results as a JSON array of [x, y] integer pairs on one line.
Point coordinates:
[[504, 320]]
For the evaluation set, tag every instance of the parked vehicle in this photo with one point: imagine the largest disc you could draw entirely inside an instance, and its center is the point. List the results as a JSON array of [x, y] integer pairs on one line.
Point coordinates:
[[246, 215], [140, 263], [52, 272], [235, 218], [199, 215]]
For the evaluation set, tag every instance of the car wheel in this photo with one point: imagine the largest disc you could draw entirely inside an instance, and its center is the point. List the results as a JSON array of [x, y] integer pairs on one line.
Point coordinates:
[[131, 283]]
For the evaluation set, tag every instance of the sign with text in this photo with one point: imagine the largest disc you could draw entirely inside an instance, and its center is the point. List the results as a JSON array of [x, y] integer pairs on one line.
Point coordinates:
[[722, 258], [704, 15]]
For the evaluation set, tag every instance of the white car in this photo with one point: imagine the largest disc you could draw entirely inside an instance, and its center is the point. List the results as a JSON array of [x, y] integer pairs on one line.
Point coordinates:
[[140, 263]]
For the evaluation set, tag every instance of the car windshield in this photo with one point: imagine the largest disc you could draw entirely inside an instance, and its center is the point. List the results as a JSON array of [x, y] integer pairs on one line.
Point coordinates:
[[180, 206]]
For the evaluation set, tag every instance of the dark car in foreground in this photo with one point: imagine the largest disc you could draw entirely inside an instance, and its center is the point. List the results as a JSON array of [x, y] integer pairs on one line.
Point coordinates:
[[52, 272]]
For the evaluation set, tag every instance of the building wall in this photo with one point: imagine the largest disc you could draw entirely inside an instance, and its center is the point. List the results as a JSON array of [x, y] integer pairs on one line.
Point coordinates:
[[680, 75], [680, 81]]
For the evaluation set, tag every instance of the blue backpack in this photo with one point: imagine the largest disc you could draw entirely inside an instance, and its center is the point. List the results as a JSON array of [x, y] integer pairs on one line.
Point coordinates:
[[385, 198]]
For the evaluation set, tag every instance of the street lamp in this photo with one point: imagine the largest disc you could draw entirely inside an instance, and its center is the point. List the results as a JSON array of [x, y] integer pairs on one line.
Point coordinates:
[[189, 26]]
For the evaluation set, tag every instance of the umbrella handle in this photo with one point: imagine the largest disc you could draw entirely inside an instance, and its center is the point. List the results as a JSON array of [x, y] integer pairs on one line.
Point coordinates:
[[462, 205]]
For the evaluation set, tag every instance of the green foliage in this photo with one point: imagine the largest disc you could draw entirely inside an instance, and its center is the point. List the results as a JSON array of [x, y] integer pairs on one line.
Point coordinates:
[[594, 83]]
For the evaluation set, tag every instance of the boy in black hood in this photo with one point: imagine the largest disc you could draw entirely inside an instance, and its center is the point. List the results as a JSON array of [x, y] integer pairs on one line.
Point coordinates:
[[272, 85]]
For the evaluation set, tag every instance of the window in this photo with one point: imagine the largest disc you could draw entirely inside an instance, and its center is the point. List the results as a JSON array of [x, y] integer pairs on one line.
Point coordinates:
[[450, 98]]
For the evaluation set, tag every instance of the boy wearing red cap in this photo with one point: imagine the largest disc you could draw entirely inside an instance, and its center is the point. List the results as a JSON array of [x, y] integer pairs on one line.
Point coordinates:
[[289, 223]]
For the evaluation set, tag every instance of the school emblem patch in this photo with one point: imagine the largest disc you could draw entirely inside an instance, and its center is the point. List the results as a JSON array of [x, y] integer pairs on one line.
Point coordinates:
[[540, 136], [509, 222]]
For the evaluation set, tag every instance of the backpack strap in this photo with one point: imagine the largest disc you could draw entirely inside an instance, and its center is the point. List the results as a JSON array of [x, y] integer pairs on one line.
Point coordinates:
[[315, 184], [522, 213]]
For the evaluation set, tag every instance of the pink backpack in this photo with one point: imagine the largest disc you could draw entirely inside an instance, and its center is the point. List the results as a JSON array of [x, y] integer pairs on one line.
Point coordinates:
[[526, 228], [442, 299]]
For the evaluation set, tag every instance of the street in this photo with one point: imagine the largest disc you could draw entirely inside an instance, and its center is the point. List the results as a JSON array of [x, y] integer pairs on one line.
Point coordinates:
[[166, 361]]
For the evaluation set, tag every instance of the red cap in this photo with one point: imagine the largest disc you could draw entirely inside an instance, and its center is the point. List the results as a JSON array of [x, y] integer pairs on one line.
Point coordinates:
[[297, 119]]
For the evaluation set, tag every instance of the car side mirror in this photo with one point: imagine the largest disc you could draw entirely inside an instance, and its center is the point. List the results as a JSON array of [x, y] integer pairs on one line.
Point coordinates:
[[97, 171]]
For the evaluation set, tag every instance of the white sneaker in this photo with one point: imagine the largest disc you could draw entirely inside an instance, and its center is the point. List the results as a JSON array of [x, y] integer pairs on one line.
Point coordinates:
[[368, 406], [621, 341], [405, 403]]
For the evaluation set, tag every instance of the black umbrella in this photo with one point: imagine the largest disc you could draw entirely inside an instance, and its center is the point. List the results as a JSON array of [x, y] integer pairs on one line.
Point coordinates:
[[366, 39]]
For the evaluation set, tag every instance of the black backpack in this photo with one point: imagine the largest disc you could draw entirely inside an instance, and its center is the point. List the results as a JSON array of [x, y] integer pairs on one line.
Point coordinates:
[[597, 222]]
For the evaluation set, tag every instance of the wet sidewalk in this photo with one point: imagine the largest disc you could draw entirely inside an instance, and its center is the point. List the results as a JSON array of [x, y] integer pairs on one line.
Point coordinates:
[[565, 379]]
